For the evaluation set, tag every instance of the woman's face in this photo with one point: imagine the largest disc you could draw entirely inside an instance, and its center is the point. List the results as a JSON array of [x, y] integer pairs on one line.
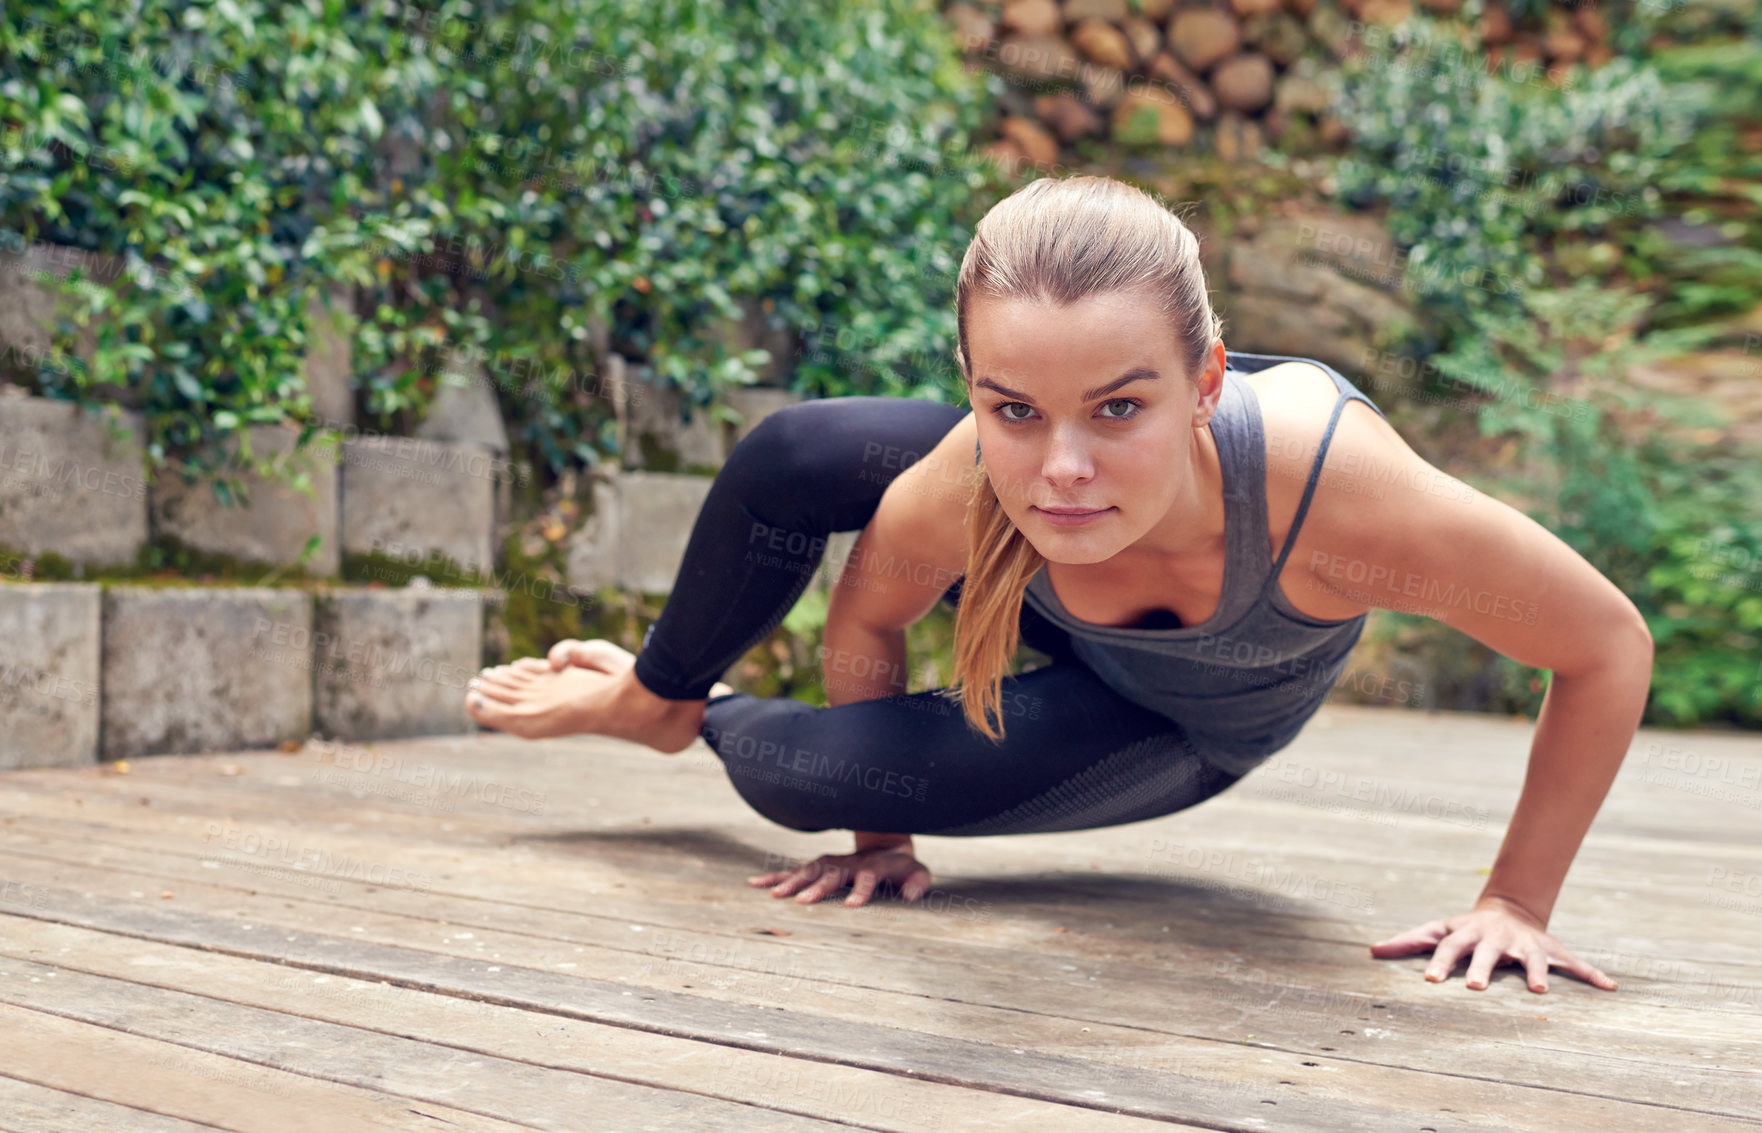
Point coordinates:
[[1086, 407]]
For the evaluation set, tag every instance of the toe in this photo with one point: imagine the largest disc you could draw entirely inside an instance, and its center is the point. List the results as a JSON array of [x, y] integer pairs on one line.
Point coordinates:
[[597, 654], [504, 678], [497, 693], [487, 712]]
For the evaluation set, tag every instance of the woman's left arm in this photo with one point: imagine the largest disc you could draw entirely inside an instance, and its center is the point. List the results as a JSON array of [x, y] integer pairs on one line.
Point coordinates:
[[1425, 542]]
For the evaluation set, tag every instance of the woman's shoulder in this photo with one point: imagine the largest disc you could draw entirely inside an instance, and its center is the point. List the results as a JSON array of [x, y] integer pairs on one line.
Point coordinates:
[[1373, 491], [1297, 400]]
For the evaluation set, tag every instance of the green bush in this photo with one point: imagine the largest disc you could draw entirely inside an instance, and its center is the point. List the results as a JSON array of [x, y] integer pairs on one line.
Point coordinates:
[[1559, 203], [496, 178]]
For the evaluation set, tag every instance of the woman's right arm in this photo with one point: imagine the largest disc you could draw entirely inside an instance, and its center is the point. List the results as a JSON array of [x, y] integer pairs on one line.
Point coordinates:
[[911, 552]]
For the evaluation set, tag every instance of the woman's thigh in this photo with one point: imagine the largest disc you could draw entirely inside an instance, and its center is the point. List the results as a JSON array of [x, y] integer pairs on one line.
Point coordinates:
[[1076, 755]]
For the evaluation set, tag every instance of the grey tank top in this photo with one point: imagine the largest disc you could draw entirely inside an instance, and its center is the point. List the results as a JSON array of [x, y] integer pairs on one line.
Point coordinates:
[[1246, 680]]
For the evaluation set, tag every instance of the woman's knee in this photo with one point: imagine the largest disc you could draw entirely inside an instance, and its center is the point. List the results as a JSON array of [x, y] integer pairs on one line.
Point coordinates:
[[812, 768], [846, 435]]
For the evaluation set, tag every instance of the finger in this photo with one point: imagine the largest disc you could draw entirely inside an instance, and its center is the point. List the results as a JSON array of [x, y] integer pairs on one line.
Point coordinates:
[[917, 883], [797, 878], [1584, 970], [830, 882], [1535, 964], [531, 665], [768, 878], [1421, 939], [1444, 959], [864, 885], [1487, 955]]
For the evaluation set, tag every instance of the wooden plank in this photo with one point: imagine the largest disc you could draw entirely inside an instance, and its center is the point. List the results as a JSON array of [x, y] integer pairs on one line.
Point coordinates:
[[26, 1107], [1045, 1031], [1448, 845], [1217, 927], [1093, 909], [1318, 1007], [206, 1088], [1360, 876], [1704, 781], [1278, 1011], [767, 1082], [1456, 850], [856, 1042]]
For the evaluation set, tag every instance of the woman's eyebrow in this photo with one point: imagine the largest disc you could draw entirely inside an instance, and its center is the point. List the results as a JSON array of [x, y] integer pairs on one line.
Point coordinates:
[[1136, 373]]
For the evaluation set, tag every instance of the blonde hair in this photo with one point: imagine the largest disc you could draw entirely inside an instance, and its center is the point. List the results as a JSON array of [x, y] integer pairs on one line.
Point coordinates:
[[1058, 241]]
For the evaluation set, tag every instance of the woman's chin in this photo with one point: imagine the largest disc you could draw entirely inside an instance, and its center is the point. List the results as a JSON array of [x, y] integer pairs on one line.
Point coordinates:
[[1072, 548]]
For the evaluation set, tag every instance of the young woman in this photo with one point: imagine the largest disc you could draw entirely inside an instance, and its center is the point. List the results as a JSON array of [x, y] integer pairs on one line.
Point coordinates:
[[1193, 536]]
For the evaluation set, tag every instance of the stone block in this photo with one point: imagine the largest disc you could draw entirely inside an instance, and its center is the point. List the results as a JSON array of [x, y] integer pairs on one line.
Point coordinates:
[[659, 438], [393, 663], [67, 485], [278, 520], [656, 512], [188, 670], [31, 306], [27, 310], [410, 499], [1272, 268], [49, 674], [329, 362], [1354, 244], [754, 331], [754, 404], [593, 547], [464, 409], [1259, 324]]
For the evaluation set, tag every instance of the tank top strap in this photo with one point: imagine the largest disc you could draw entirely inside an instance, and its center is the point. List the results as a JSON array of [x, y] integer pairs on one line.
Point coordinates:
[[1348, 392], [1241, 444], [1309, 488]]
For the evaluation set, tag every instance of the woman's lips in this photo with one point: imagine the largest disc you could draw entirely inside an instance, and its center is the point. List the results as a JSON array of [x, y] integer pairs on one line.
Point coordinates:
[[1070, 519]]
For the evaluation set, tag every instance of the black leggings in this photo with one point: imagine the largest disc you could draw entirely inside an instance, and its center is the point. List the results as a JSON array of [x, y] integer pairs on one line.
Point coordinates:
[[1075, 755]]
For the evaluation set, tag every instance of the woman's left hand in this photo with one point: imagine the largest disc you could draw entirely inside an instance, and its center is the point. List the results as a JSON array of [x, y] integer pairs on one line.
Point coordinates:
[[1499, 932]]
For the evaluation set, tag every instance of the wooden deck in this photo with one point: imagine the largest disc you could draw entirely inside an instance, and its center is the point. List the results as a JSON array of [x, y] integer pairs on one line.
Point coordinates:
[[479, 933]]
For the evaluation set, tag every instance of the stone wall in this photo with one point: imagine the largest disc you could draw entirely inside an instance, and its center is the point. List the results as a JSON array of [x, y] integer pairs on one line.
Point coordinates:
[[1311, 284], [115, 672], [1223, 78]]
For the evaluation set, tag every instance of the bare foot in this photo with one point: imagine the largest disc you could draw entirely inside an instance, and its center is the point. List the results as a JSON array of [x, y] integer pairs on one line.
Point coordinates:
[[597, 695]]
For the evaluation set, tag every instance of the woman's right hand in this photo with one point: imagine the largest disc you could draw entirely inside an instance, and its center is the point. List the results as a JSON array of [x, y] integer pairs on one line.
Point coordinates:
[[862, 871]]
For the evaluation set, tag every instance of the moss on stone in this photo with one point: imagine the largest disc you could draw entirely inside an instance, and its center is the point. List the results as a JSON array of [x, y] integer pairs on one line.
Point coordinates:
[[656, 457]]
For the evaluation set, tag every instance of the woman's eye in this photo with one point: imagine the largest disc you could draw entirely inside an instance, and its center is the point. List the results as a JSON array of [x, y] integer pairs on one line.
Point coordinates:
[[1127, 402], [1004, 410]]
